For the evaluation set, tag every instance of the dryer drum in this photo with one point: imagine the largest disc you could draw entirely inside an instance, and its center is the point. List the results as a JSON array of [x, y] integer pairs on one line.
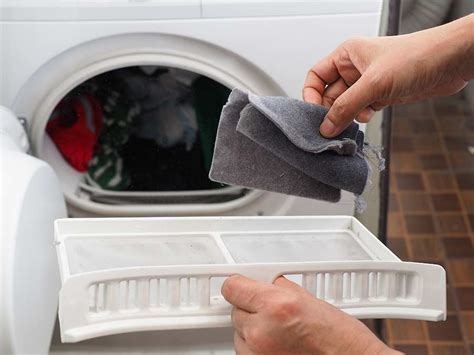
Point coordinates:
[[142, 134]]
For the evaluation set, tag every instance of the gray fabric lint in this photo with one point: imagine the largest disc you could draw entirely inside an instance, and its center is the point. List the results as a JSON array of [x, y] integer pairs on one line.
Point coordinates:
[[299, 121], [239, 161], [273, 143]]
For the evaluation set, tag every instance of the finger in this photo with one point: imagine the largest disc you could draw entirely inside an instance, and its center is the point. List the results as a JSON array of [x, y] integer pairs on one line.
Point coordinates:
[[333, 91], [243, 292], [379, 105], [365, 115], [240, 320], [313, 88], [240, 345], [346, 107], [346, 68], [320, 75], [326, 68]]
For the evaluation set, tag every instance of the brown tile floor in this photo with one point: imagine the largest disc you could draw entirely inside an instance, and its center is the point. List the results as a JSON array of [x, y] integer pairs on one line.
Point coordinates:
[[431, 217]]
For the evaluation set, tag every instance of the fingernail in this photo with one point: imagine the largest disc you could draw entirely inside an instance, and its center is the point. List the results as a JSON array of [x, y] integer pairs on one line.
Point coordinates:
[[327, 128]]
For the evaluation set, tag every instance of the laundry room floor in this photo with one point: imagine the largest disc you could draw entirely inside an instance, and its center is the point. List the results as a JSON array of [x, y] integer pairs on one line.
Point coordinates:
[[431, 216]]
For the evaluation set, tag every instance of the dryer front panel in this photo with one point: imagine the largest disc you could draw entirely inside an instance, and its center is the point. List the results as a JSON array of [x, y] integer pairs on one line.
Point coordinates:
[[265, 52]]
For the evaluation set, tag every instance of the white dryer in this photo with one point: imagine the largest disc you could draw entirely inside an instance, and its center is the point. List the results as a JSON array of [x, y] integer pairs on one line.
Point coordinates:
[[49, 47]]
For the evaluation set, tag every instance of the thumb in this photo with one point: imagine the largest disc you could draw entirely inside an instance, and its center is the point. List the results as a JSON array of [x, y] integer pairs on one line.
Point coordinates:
[[347, 106]]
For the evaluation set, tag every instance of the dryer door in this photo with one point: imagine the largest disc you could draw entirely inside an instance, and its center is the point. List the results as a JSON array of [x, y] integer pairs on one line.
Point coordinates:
[[30, 200]]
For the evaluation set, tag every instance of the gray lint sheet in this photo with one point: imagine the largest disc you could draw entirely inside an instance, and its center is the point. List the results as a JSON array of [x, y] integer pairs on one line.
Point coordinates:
[[273, 143]]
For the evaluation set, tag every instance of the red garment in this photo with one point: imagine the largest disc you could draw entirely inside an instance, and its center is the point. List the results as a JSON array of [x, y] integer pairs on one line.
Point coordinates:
[[75, 127]]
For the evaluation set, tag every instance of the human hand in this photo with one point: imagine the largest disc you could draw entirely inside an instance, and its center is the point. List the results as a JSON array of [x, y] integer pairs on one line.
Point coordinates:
[[363, 75], [284, 318]]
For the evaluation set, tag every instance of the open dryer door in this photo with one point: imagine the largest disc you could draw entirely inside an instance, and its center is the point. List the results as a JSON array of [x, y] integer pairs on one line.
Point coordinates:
[[30, 200]]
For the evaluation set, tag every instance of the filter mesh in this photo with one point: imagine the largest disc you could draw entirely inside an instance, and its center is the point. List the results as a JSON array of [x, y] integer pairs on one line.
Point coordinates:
[[294, 247], [86, 254]]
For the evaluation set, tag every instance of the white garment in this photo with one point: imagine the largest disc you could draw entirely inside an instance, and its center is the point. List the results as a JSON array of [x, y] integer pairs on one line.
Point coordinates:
[[168, 115]]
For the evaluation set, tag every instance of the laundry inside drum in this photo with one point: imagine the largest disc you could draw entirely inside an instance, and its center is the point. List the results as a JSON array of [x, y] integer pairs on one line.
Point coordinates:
[[142, 134]]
